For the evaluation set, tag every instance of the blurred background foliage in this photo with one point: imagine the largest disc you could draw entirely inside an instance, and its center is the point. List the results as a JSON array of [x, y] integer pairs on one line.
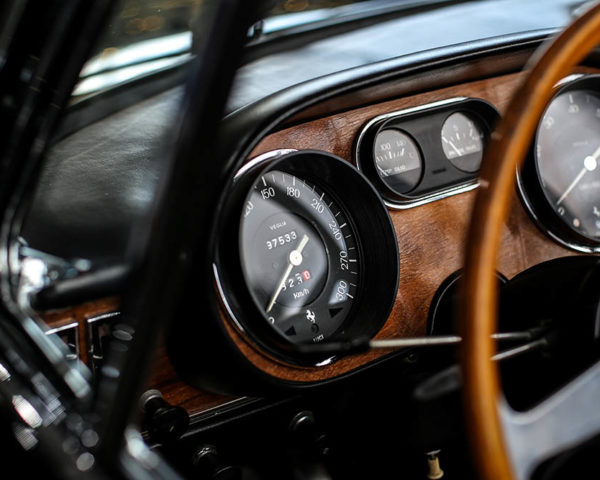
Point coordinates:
[[145, 19]]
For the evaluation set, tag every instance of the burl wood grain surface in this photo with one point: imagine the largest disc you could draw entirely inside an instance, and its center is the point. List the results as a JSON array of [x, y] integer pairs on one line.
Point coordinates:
[[430, 240], [431, 237]]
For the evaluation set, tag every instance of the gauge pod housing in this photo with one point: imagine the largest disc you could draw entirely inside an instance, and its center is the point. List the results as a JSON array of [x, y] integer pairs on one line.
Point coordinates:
[[309, 254], [425, 153]]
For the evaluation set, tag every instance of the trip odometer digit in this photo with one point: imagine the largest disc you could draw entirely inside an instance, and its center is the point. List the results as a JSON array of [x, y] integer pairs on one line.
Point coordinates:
[[299, 256]]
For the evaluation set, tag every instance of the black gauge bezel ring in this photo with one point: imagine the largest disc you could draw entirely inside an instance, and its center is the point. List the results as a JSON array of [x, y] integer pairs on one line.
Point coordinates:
[[379, 263]]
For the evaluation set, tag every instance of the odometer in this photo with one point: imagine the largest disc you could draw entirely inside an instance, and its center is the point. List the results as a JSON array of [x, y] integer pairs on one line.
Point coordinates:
[[299, 256]]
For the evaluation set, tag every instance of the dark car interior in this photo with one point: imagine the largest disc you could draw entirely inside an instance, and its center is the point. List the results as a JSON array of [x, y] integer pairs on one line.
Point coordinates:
[[301, 239]]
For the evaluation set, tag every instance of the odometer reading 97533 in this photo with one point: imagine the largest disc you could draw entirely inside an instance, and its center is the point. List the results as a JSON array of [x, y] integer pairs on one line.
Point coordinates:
[[299, 256]]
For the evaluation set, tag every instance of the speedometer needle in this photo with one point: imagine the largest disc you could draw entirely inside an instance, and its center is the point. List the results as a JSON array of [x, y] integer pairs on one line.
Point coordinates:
[[295, 259], [589, 164]]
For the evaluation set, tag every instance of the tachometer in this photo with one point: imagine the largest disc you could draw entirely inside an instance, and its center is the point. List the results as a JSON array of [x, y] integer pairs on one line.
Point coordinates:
[[567, 151], [561, 183]]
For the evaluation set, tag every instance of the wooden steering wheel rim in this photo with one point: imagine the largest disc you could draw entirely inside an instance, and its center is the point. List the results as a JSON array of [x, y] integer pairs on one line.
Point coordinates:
[[509, 146]]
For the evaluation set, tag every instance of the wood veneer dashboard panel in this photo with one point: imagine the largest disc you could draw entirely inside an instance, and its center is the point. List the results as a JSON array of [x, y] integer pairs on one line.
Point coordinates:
[[430, 237], [430, 240], [163, 376]]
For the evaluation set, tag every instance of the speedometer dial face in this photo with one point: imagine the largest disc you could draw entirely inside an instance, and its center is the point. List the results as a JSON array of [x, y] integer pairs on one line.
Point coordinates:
[[299, 257], [567, 153]]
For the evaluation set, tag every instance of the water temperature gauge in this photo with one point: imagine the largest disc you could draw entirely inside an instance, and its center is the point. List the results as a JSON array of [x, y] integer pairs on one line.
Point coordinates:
[[462, 141], [398, 160]]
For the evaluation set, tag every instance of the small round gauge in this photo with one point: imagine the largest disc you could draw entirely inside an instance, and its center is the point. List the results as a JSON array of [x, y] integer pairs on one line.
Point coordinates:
[[299, 256], [398, 161], [462, 141]]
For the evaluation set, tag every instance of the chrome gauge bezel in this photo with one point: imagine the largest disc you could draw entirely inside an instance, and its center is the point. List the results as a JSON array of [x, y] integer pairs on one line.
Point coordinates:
[[375, 238], [530, 189], [411, 121]]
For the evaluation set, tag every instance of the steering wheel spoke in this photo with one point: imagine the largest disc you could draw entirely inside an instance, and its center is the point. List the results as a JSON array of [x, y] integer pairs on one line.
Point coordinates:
[[566, 419], [506, 443]]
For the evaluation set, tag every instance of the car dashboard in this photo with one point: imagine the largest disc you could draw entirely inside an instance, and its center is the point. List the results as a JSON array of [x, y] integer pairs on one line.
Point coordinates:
[[429, 234], [380, 159]]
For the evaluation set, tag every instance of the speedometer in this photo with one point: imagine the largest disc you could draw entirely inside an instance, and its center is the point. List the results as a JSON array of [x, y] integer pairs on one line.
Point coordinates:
[[299, 256], [315, 256]]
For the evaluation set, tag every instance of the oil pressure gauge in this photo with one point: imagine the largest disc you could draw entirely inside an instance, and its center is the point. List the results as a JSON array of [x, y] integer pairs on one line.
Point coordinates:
[[462, 141]]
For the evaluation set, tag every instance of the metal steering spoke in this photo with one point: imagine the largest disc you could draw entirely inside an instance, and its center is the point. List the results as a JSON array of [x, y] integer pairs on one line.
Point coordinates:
[[562, 421]]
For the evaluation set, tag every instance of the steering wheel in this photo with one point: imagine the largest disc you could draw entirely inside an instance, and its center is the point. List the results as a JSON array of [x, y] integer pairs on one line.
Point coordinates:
[[507, 444]]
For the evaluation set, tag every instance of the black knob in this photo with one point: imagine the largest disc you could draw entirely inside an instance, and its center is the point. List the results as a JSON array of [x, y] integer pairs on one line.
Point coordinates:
[[307, 435], [208, 463], [304, 427], [165, 422]]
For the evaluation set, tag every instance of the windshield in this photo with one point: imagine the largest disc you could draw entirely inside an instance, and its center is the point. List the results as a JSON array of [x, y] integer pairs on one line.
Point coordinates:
[[147, 36], [140, 20]]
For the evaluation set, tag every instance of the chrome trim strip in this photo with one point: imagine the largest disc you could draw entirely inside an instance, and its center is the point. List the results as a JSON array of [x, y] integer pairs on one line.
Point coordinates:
[[450, 192], [72, 325], [271, 155], [407, 111], [216, 410], [223, 297], [102, 316], [568, 79]]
